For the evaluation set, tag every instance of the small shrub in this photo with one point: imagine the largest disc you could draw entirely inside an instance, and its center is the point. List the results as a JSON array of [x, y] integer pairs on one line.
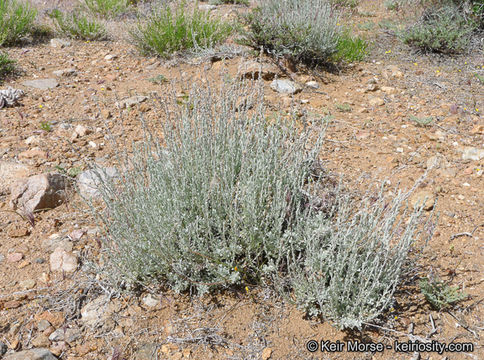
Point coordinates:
[[350, 48], [46, 126], [16, 20], [7, 66], [302, 30], [343, 107], [421, 121], [439, 294], [442, 29], [106, 8], [168, 31], [345, 3], [78, 26]]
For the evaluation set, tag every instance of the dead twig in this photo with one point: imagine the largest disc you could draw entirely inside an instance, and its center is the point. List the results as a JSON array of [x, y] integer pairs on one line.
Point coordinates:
[[470, 234]]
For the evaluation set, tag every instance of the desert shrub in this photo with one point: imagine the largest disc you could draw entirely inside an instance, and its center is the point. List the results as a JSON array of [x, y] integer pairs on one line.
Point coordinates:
[[170, 30], [353, 264], [228, 197], [210, 208], [302, 30], [350, 48], [77, 25], [16, 20], [345, 3], [7, 66], [443, 29], [440, 294], [106, 8]]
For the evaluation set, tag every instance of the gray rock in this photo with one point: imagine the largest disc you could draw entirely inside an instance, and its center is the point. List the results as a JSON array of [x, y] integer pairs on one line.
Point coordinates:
[[67, 335], [472, 153], [89, 181], [146, 352], [44, 191], [10, 172], [59, 43], [32, 354], [312, 84], [41, 84], [285, 86], [64, 72], [131, 101]]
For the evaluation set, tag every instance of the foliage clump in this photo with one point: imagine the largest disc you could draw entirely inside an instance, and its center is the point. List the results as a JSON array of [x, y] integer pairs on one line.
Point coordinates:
[[446, 26], [77, 25], [229, 197], [440, 294], [169, 30], [7, 66], [16, 20]]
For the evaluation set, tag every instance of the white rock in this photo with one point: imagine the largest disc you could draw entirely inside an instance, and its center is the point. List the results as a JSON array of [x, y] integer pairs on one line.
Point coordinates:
[[10, 172], [61, 260], [96, 311], [59, 43], [285, 86], [312, 84], [472, 153], [41, 84], [89, 181], [150, 301]]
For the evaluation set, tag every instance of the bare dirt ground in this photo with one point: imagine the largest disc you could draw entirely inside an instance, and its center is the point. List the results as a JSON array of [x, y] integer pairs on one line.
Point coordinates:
[[372, 137]]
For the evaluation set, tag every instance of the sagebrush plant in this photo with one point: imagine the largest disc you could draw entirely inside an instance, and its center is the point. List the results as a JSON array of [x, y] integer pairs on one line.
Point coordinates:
[[7, 66], [352, 264], [302, 30], [440, 294], [446, 26], [106, 8], [169, 30], [16, 20], [78, 25], [211, 206]]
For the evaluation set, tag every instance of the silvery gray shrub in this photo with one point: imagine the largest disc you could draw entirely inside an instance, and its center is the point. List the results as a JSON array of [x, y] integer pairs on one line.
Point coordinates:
[[303, 30], [224, 198]]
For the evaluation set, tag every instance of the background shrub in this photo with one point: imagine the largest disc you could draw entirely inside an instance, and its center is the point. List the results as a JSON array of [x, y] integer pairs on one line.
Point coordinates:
[[7, 66], [443, 29], [16, 21], [77, 25], [106, 8], [302, 30], [170, 30]]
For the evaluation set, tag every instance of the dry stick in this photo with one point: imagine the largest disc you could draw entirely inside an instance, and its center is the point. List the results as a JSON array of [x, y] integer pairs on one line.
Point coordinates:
[[410, 336], [463, 325], [470, 234]]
